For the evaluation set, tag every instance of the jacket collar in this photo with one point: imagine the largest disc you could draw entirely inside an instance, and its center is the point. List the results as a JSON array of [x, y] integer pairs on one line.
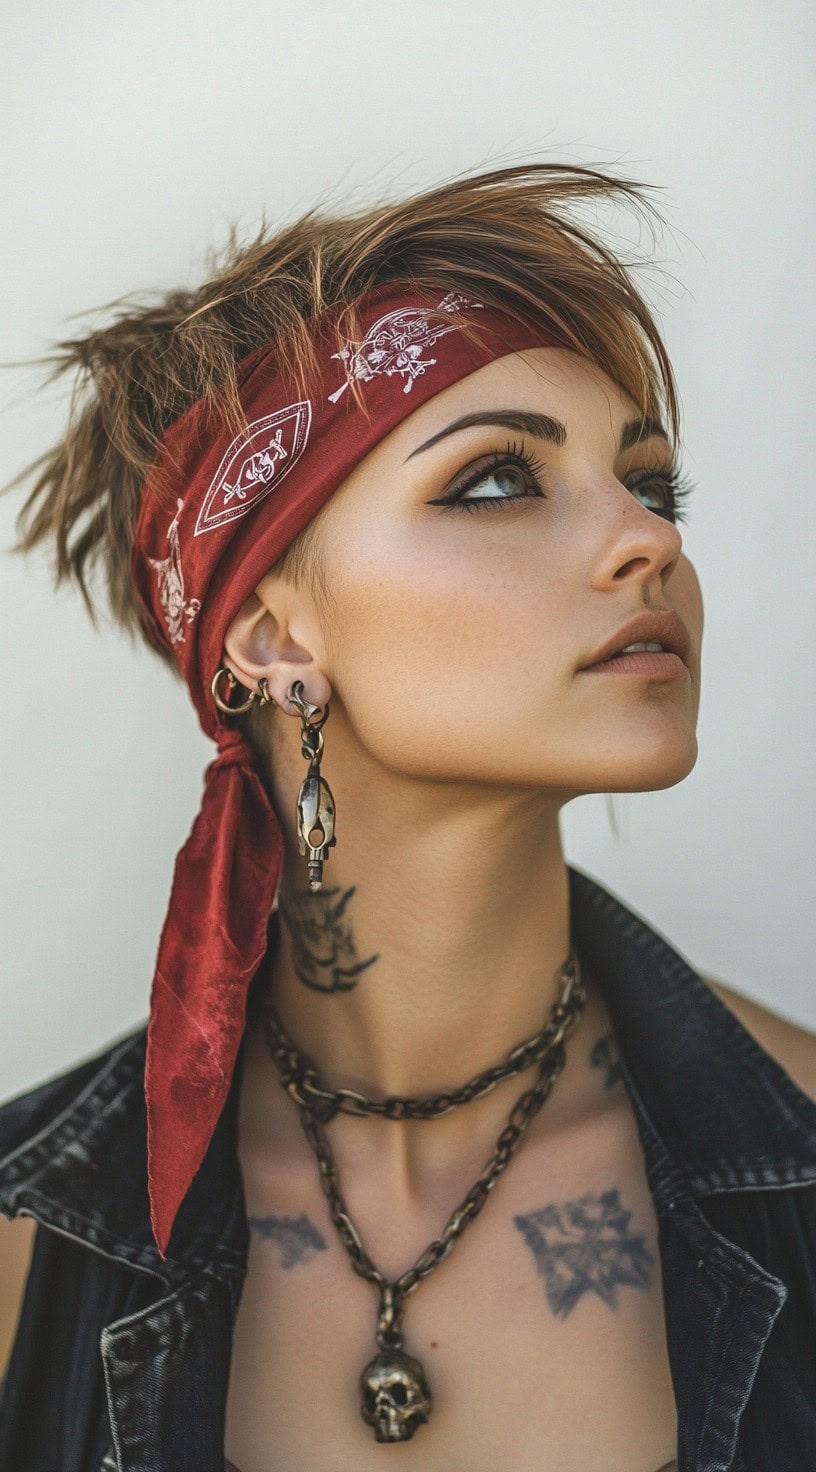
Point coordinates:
[[83, 1170], [714, 1111], [722, 1108]]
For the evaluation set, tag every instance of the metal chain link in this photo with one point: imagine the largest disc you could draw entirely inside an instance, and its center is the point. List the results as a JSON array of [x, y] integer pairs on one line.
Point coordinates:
[[547, 1047], [301, 1081]]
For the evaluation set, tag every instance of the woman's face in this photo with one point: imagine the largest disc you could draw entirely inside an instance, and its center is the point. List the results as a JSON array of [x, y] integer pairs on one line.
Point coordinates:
[[454, 646]]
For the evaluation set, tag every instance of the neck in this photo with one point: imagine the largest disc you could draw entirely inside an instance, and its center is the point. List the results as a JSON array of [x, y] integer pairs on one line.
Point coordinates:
[[411, 995], [431, 951]]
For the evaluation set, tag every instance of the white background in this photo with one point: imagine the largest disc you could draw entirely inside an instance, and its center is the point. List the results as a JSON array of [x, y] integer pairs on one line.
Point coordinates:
[[136, 133]]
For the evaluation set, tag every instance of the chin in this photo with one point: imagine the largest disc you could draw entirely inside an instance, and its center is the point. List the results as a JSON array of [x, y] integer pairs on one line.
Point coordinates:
[[655, 769], [648, 765]]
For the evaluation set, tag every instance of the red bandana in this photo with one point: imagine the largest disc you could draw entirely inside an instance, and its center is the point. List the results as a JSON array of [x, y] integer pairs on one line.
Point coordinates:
[[236, 504]]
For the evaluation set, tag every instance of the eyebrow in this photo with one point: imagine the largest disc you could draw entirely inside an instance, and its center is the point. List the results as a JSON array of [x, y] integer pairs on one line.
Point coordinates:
[[542, 427]]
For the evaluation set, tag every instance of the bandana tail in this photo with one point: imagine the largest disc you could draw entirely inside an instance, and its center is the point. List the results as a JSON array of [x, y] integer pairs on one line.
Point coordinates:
[[213, 941]]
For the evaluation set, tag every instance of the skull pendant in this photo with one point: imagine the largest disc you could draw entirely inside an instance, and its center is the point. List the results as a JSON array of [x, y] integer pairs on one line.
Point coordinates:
[[396, 1398]]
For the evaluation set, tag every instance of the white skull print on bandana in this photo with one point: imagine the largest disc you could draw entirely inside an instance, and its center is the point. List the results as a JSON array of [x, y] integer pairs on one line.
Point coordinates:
[[394, 344], [171, 584]]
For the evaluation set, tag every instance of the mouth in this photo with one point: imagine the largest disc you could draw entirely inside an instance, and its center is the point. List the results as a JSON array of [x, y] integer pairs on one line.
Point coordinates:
[[654, 643]]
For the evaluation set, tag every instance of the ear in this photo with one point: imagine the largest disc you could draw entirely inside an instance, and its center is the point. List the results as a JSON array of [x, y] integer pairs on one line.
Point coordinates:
[[260, 645]]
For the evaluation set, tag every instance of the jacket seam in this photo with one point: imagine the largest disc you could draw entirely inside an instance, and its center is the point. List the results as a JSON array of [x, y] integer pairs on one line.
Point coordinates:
[[93, 1246], [32, 1142]]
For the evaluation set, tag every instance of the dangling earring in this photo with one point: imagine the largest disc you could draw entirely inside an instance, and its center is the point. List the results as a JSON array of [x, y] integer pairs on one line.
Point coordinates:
[[315, 801]]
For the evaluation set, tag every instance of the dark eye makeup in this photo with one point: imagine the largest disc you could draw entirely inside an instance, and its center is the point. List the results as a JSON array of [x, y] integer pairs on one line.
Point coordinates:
[[671, 486]]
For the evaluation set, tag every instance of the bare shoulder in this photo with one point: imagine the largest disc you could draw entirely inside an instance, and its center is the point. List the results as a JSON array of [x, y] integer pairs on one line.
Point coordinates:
[[790, 1043], [16, 1241]]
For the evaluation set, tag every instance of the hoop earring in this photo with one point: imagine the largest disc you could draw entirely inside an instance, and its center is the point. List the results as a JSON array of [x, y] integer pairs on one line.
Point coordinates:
[[262, 693], [315, 801]]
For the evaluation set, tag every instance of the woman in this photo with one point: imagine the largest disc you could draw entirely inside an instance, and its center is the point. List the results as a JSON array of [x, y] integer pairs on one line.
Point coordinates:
[[398, 488]]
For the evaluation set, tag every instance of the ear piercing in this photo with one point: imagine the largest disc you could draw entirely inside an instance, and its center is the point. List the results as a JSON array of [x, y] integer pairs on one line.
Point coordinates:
[[315, 810]]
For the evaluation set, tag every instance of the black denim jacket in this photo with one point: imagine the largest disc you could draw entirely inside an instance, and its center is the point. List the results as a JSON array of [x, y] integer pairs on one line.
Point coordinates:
[[121, 1361]]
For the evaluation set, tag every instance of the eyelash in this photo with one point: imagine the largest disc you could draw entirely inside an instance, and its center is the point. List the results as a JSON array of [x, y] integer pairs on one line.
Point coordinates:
[[678, 486]]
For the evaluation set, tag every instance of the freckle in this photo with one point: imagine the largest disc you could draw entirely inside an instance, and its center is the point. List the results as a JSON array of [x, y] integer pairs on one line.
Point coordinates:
[[434, 1344]]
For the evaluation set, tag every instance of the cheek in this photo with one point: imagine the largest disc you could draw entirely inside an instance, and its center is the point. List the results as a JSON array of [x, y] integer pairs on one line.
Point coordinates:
[[686, 595], [439, 629]]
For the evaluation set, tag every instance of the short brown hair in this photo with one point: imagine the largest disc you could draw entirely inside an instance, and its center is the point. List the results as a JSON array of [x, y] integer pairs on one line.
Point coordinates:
[[508, 236]]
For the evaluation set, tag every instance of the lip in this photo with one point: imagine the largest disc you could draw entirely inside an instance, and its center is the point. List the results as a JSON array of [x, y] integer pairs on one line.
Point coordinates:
[[657, 627], [646, 663]]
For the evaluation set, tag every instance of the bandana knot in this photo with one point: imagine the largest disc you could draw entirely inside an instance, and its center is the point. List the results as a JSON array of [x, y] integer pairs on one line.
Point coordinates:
[[233, 748]]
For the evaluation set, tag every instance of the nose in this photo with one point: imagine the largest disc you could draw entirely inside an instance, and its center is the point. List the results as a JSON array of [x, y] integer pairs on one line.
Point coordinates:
[[640, 547]]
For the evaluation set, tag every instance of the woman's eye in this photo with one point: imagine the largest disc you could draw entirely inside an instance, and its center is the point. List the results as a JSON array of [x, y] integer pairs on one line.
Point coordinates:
[[668, 488], [508, 479], [511, 476]]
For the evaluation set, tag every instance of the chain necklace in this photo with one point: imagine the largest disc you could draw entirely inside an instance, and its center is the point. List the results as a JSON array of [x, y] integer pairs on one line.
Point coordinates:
[[395, 1395]]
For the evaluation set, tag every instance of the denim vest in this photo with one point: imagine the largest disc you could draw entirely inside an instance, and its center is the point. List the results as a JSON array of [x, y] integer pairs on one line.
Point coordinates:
[[121, 1360]]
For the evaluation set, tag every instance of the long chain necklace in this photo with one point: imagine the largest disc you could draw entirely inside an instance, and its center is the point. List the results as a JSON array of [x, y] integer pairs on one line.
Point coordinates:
[[395, 1395]]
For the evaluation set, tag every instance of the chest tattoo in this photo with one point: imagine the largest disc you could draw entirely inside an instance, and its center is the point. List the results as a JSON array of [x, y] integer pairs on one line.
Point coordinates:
[[585, 1246], [605, 1055], [296, 1237]]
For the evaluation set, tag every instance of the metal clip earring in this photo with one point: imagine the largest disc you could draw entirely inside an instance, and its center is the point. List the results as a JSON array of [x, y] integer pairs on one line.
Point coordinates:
[[262, 693], [315, 801]]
